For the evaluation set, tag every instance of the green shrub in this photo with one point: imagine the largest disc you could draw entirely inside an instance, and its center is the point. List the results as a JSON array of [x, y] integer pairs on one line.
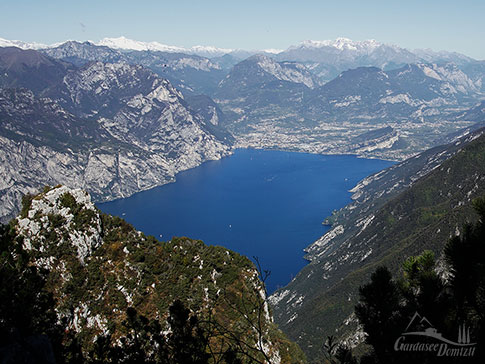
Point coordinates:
[[26, 203], [68, 200]]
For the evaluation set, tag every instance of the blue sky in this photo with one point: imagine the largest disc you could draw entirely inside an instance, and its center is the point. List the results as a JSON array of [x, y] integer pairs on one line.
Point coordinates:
[[449, 25]]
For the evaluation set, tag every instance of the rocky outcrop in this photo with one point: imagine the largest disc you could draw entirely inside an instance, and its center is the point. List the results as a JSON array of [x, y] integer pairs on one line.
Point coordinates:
[[97, 266], [55, 211]]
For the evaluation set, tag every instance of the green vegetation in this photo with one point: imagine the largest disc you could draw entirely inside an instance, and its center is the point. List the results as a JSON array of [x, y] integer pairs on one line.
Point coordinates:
[[68, 200], [116, 303], [26, 201], [387, 305]]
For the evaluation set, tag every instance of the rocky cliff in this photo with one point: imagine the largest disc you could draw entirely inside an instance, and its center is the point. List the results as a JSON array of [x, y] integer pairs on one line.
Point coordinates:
[[111, 128]]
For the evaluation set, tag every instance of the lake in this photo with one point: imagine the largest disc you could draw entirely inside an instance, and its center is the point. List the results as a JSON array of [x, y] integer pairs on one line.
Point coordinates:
[[268, 204]]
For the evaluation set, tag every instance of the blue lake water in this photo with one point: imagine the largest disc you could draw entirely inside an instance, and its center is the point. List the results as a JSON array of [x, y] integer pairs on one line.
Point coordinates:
[[268, 204]]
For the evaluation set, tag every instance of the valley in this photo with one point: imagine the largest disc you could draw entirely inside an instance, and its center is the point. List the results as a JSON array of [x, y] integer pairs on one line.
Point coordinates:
[[119, 117], [262, 102]]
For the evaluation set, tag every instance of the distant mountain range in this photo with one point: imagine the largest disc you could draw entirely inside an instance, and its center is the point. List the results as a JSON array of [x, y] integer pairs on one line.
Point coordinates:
[[147, 98], [346, 50]]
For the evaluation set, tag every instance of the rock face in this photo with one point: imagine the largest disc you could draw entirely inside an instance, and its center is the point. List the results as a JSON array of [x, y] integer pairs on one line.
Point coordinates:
[[192, 74], [318, 96], [111, 128], [62, 203], [97, 266]]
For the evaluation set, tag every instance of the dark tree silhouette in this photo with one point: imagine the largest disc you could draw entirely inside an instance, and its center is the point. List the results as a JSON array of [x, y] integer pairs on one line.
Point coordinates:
[[465, 255], [385, 304], [379, 313], [28, 322], [187, 343]]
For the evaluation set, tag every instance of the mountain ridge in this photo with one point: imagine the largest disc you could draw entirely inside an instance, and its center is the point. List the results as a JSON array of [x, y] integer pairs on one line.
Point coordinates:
[[340, 43], [399, 212], [96, 268], [112, 128]]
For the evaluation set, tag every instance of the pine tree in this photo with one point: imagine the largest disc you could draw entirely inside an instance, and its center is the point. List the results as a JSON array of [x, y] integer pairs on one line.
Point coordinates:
[[379, 312], [187, 343], [465, 255]]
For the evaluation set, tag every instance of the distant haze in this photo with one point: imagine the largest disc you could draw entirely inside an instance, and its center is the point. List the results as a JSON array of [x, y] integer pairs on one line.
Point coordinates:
[[439, 25]]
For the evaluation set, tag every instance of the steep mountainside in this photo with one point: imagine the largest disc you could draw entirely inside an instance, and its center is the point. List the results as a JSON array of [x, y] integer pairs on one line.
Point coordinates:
[[42, 121], [412, 206], [259, 86], [419, 102], [207, 107], [476, 71], [30, 69], [111, 128], [191, 74], [97, 266]]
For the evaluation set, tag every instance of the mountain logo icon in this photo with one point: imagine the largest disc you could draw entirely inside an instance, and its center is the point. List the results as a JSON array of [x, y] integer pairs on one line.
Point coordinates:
[[421, 326], [418, 322]]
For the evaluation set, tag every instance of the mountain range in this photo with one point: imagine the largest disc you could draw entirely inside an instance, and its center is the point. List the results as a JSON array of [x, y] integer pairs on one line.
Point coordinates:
[[112, 128], [122, 99], [119, 116], [340, 51]]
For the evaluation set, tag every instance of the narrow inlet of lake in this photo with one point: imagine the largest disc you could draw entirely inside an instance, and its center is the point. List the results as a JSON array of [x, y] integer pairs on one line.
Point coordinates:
[[268, 204]]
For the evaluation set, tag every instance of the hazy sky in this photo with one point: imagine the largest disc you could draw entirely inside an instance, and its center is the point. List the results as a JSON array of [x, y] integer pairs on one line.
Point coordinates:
[[250, 24]]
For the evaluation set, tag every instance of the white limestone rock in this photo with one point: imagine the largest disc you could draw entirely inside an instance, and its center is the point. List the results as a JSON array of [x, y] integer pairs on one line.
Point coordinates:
[[38, 219]]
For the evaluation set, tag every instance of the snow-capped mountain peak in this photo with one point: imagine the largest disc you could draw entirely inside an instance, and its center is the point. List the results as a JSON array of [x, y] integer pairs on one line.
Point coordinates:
[[21, 44], [208, 51], [272, 51], [130, 44], [339, 43]]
